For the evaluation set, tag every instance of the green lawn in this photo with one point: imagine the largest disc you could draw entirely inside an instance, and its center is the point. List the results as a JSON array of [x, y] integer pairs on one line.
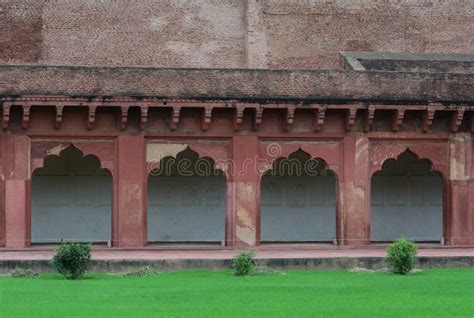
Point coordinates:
[[431, 293]]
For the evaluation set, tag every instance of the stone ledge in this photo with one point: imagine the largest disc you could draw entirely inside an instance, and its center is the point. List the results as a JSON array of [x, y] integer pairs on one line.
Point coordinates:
[[236, 84], [372, 263], [409, 62]]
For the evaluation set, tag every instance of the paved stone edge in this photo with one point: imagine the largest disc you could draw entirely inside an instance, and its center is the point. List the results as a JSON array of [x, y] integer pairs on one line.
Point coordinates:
[[372, 263]]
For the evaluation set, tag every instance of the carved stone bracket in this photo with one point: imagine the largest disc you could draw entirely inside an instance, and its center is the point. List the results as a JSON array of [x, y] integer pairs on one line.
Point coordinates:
[[206, 118], [143, 116], [369, 118], [91, 116], [428, 117], [6, 115], [398, 119], [239, 115], [123, 117], [175, 117], [258, 117], [319, 117], [456, 119], [59, 116], [350, 119], [290, 114], [26, 116]]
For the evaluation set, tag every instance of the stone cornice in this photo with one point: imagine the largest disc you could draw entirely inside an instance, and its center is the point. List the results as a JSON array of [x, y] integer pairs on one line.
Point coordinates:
[[244, 85], [457, 111]]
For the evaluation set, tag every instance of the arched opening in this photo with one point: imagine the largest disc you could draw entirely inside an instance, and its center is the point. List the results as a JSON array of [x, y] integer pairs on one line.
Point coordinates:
[[407, 200], [298, 201], [186, 200], [71, 199]]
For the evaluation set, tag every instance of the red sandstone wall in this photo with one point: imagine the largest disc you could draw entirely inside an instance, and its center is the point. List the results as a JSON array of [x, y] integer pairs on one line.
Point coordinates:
[[227, 33]]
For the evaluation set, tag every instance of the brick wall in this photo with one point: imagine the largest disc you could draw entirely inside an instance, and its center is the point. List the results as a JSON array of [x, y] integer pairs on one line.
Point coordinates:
[[227, 33], [20, 31], [174, 33], [309, 33]]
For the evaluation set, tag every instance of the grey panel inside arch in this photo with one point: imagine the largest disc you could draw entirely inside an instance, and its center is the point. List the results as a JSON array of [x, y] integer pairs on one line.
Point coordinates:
[[186, 209], [407, 199], [298, 208], [71, 200]]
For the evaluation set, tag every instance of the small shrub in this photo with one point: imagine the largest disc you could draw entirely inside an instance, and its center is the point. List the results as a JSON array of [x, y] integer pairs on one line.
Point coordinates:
[[72, 259], [401, 256], [244, 263]]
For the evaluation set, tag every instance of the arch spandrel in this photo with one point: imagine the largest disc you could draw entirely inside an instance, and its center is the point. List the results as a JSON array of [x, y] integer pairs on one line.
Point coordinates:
[[104, 151], [436, 154], [300, 159], [218, 152], [54, 159], [329, 152], [170, 165]]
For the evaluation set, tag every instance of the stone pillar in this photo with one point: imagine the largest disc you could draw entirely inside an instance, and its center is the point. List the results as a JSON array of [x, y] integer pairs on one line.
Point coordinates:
[[129, 189], [353, 217], [243, 194], [17, 197], [459, 219]]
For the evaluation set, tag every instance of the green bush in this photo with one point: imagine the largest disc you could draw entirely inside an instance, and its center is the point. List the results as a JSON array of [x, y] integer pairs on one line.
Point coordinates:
[[72, 259], [244, 263], [401, 256]]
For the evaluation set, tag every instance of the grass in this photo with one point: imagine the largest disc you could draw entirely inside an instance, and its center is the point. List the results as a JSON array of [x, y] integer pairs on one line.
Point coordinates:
[[430, 293]]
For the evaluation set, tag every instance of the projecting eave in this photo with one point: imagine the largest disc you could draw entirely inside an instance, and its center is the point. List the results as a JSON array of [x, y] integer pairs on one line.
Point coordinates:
[[261, 86]]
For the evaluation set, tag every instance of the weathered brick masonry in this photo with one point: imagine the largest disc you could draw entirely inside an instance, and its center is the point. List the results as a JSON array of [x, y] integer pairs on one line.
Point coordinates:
[[227, 33], [297, 85]]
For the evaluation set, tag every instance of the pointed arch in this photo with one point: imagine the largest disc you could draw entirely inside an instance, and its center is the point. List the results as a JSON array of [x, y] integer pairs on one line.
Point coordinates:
[[71, 199], [407, 199], [299, 200], [186, 200]]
